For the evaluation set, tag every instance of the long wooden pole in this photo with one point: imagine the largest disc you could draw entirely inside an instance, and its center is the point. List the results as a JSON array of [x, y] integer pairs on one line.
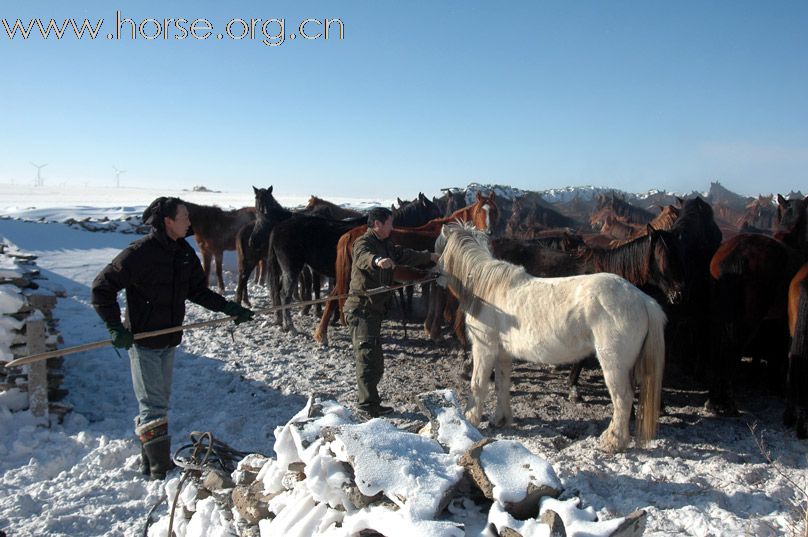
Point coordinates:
[[193, 326]]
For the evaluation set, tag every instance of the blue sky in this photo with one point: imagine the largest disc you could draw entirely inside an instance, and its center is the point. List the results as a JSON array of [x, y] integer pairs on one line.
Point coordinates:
[[417, 96]]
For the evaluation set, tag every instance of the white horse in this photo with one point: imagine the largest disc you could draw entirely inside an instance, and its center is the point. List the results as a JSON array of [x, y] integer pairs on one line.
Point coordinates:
[[510, 314]]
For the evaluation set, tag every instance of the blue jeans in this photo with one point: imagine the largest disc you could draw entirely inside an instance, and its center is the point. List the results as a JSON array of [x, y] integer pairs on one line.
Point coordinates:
[[151, 378]]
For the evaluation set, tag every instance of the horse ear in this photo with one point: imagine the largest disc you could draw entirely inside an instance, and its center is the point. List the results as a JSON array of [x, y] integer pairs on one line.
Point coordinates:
[[400, 203], [269, 190], [479, 196], [491, 197], [651, 231], [255, 191], [780, 200]]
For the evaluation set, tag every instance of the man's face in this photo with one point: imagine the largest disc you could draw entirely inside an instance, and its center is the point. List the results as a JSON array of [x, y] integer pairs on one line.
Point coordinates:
[[383, 230], [177, 227]]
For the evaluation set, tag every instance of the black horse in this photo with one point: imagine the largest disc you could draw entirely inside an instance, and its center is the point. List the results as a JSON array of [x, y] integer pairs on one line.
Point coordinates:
[[299, 241], [752, 274], [252, 241], [415, 213], [688, 327]]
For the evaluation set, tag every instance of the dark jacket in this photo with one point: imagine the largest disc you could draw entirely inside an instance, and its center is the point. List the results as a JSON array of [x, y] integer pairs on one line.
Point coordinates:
[[158, 275], [365, 275]]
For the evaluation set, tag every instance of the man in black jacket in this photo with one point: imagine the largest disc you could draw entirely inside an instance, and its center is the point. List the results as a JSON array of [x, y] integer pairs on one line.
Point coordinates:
[[159, 273]]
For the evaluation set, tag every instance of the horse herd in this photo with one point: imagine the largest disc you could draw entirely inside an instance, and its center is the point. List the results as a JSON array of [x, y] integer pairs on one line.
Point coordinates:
[[525, 279]]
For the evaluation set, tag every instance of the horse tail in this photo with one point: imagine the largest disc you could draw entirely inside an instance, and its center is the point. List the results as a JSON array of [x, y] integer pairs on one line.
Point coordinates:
[[274, 275], [648, 372], [342, 269]]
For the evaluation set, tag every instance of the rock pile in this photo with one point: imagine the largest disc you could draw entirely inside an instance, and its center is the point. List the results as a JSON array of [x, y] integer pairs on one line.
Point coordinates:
[[26, 297], [335, 476]]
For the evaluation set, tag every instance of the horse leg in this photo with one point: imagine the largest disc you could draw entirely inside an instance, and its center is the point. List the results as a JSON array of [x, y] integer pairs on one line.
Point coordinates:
[[290, 279], [245, 268], [305, 288], [502, 382], [316, 284], [206, 260], [618, 381], [218, 257], [321, 333], [483, 358], [437, 303], [572, 382]]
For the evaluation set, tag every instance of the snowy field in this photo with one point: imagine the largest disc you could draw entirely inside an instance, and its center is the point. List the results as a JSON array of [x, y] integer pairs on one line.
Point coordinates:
[[704, 476]]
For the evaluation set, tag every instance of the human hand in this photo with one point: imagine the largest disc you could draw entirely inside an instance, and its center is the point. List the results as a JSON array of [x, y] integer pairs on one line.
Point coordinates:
[[121, 337], [385, 263], [241, 314]]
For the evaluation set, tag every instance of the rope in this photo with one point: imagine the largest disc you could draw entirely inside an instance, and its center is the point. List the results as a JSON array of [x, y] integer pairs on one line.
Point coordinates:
[[214, 454], [193, 326]]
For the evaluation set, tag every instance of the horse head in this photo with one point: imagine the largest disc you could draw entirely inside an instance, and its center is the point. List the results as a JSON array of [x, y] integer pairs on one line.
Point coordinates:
[[485, 213], [792, 222], [665, 269]]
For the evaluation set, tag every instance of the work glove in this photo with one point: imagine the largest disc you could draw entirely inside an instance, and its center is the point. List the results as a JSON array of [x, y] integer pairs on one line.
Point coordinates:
[[241, 314], [121, 337]]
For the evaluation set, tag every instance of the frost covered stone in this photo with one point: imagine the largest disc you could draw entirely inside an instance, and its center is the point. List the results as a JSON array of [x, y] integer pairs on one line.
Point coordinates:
[[447, 424], [507, 472], [412, 471]]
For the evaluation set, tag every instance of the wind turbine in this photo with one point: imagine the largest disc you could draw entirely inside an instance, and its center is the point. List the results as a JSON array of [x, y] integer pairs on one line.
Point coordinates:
[[38, 181], [118, 176]]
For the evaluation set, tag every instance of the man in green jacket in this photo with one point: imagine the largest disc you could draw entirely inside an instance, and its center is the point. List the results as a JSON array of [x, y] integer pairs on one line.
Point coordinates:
[[374, 258]]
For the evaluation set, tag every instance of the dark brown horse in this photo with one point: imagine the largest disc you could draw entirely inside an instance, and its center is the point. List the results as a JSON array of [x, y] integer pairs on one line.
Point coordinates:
[[320, 207], [664, 220], [215, 231], [296, 242], [688, 327], [252, 243], [752, 274], [618, 207], [532, 216], [796, 412]]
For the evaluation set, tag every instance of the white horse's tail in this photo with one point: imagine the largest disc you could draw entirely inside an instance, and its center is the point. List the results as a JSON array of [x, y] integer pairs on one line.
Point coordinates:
[[648, 372]]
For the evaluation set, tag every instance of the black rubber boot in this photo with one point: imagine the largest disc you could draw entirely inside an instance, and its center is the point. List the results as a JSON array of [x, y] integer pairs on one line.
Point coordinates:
[[144, 461], [158, 453]]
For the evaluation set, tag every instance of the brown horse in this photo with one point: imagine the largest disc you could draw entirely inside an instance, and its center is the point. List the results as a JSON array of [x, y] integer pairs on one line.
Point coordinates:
[[618, 207], [795, 414], [320, 207], [531, 216], [664, 220], [751, 275], [215, 231], [483, 214]]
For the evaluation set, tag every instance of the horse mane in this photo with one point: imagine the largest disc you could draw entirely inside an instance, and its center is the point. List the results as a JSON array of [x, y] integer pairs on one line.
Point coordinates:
[[203, 210], [629, 260], [695, 217], [468, 262]]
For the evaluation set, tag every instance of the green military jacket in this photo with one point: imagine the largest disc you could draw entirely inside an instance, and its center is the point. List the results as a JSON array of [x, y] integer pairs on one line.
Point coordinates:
[[365, 275]]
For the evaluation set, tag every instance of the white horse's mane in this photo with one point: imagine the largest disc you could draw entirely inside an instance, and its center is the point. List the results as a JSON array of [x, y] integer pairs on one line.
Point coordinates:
[[473, 272]]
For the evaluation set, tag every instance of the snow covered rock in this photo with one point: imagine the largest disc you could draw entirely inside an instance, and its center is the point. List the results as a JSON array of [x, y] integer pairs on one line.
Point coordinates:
[[508, 473], [447, 424]]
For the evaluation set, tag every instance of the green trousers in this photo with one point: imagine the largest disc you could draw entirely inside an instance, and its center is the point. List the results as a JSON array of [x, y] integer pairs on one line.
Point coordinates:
[[366, 329]]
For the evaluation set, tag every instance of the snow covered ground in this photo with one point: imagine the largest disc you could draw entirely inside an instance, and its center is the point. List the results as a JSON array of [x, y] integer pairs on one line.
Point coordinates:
[[703, 476]]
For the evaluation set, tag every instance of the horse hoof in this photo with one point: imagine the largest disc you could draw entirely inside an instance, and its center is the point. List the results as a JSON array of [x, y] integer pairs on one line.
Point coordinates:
[[575, 397], [720, 407]]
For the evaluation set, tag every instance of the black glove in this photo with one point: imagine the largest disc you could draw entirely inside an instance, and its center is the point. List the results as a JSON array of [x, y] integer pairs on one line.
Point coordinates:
[[241, 314], [121, 337]]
